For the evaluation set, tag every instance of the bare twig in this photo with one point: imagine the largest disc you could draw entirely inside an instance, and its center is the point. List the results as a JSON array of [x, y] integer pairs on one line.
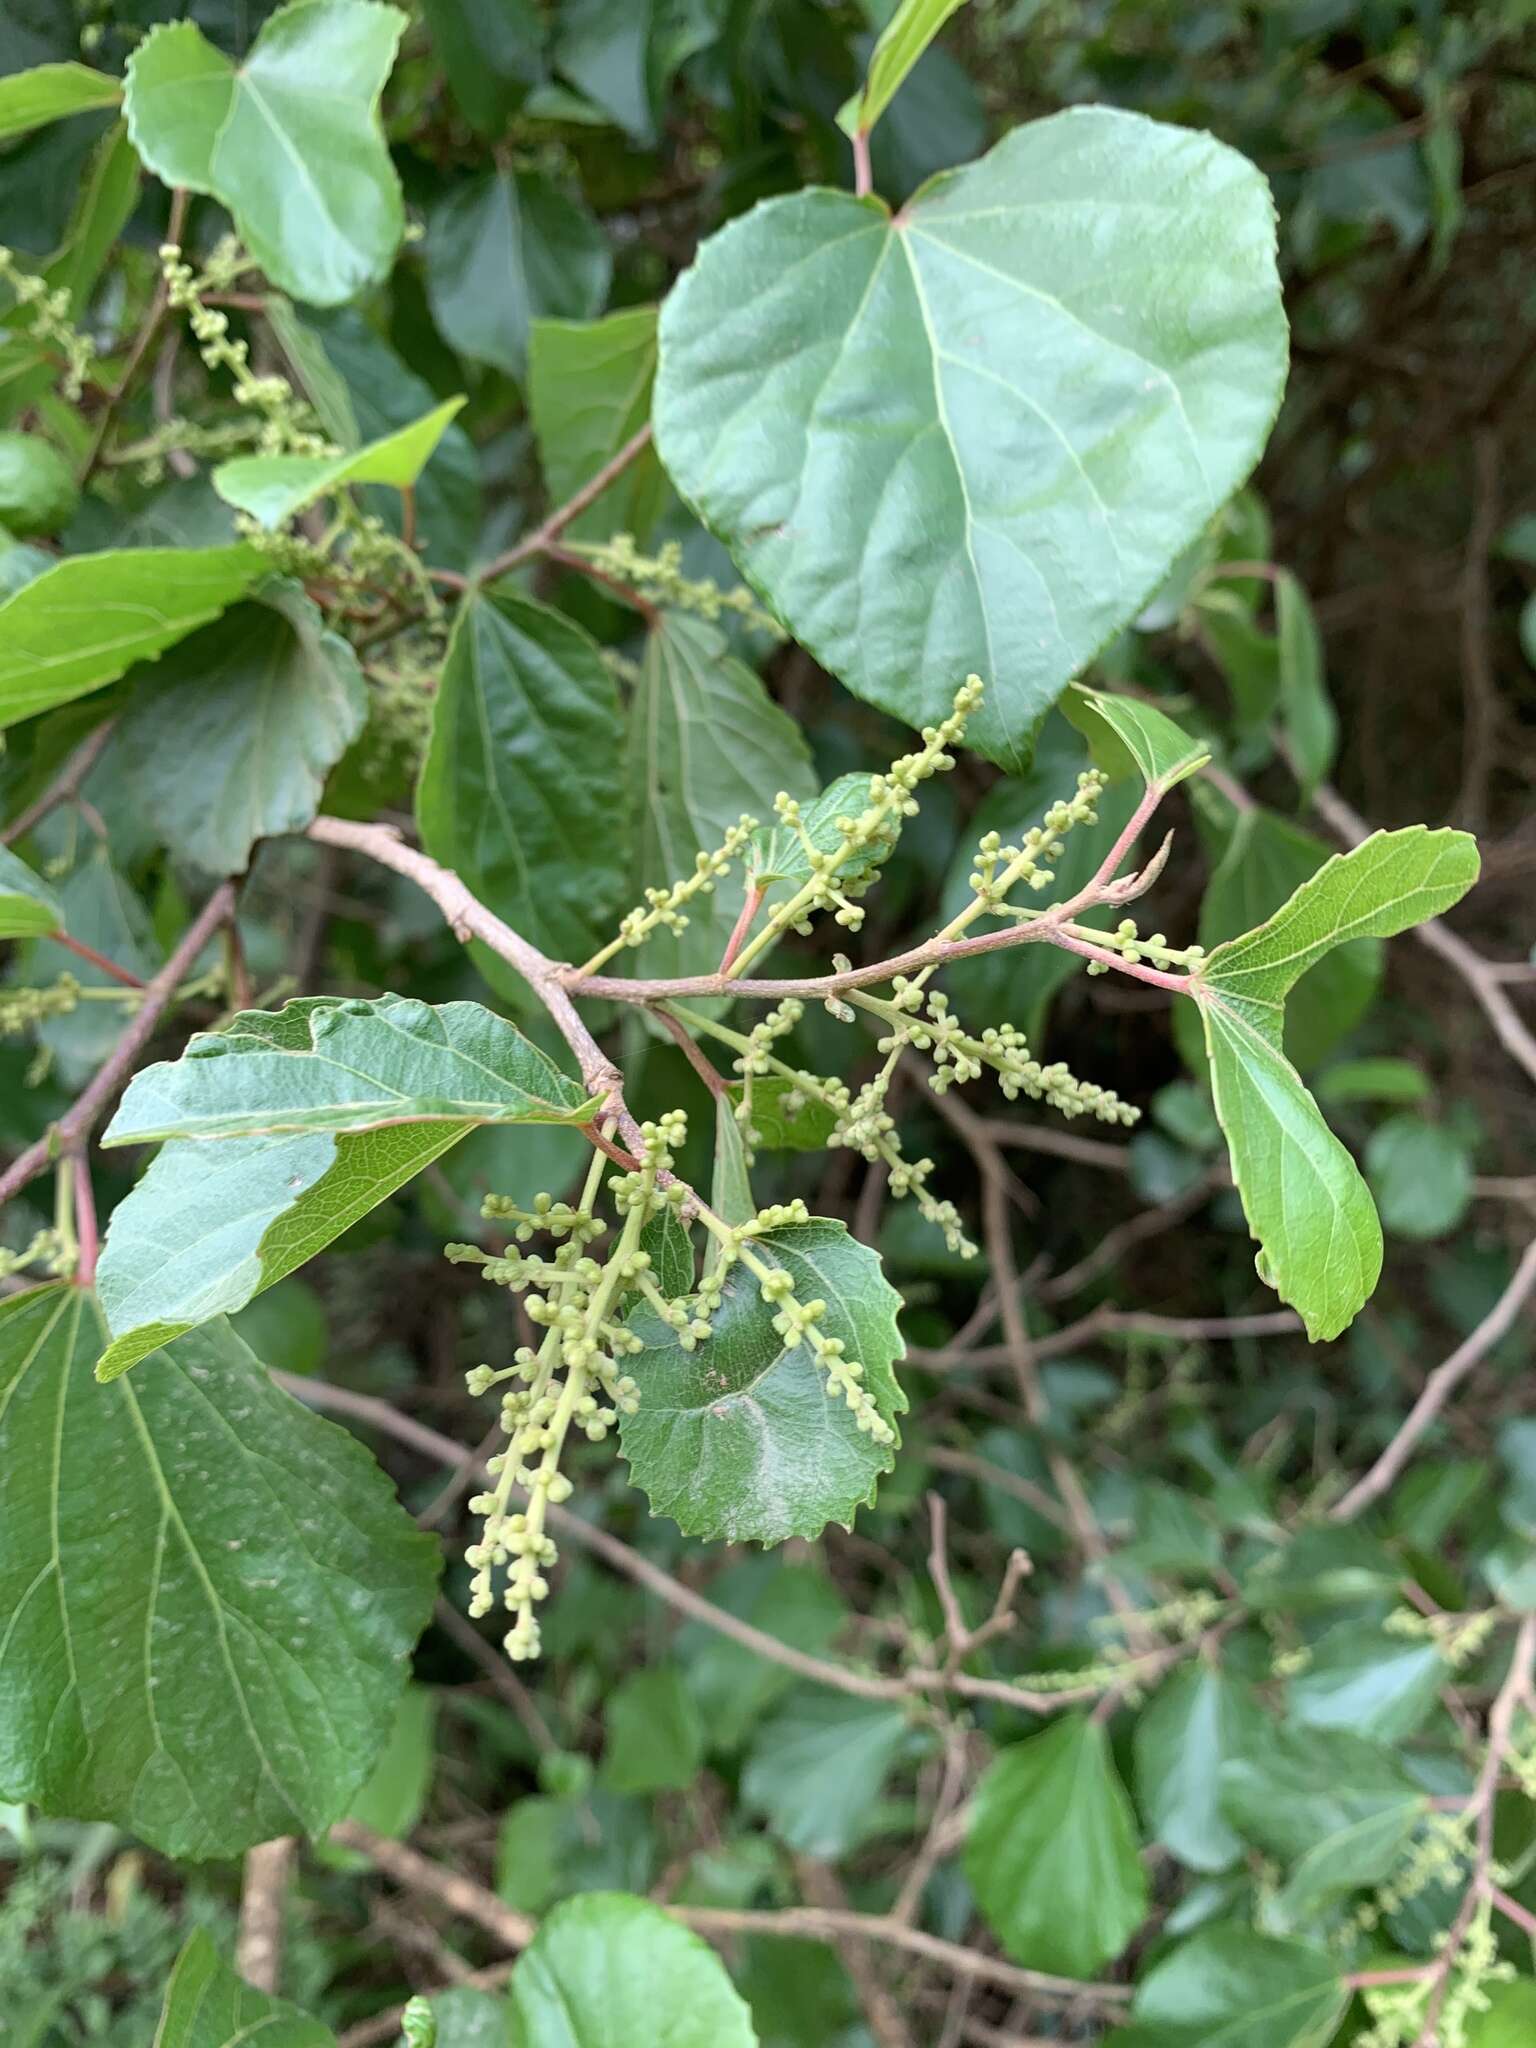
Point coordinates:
[[538, 541], [77, 1123], [64, 785], [1440, 1386], [823, 1888], [264, 1886], [498, 1670], [1114, 1322]]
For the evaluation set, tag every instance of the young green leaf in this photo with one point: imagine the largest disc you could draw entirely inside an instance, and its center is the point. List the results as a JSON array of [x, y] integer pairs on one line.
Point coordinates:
[[90, 617], [29, 908], [1126, 736], [504, 250], [52, 92], [608, 1961], [276, 488], [1318, 1234], [849, 400], [902, 41], [306, 98], [1199, 1716], [707, 745], [739, 1439], [522, 792], [172, 1660], [778, 853], [1052, 1851], [589, 392], [207, 2006], [230, 738], [327, 1063], [1227, 1987], [278, 1201], [817, 1766]]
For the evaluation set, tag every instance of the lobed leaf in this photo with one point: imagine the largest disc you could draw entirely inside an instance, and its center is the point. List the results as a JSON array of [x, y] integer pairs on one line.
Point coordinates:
[[739, 1440], [276, 488], [333, 1064], [90, 617], [289, 139], [209, 1594], [975, 437]]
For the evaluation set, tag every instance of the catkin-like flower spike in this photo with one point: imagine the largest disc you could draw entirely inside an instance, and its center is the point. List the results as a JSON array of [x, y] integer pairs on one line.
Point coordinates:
[[663, 909], [286, 423], [891, 799], [1126, 940], [44, 317], [660, 578], [1000, 869]]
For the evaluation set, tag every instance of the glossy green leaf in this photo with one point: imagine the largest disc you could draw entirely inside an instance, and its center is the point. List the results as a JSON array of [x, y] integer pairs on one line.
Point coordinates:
[[207, 2006], [1262, 859], [52, 92], [1306, 1204], [1371, 1683], [1383, 886], [817, 1765], [209, 1594], [1127, 736], [902, 41], [276, 488], [334, 1064], [589, 392], [739, 1439], [654, 1739], [1052, 1851], [278, 1201], [610, 1971], [29, 907], [1311, 723], [1335, 1808], [1199, 1716], [1421, 1176], [522, 792], [1318, 1235], [506, 249], [850, 402], [306, 97], [707, 746], [1227, 1987], [230, 738], [491, 51], [90, 617], [624, 58]]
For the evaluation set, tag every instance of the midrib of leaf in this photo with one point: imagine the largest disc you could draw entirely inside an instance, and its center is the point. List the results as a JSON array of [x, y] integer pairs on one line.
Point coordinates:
[[170, 1512]]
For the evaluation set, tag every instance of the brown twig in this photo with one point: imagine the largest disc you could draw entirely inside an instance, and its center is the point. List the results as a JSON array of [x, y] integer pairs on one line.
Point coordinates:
[[471, 1901], [538, 541], [1114, 1322], [1439, 1387], [64, 785], [497, 1669], [264, 1886], [82, 951], [149, 328], [77, 1123]]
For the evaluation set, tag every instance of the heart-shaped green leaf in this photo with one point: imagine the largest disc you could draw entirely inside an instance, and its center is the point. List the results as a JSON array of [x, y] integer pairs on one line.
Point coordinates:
[[739, 1440], [289, 140], [976, 436], [171, 1659]]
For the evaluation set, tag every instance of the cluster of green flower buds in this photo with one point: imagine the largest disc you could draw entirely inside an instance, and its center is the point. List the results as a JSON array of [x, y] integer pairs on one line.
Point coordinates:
[[660, 578], [23, 1009], [1126, 940], [286, 423], [46, 312], [664, 908], [1001, 868]]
